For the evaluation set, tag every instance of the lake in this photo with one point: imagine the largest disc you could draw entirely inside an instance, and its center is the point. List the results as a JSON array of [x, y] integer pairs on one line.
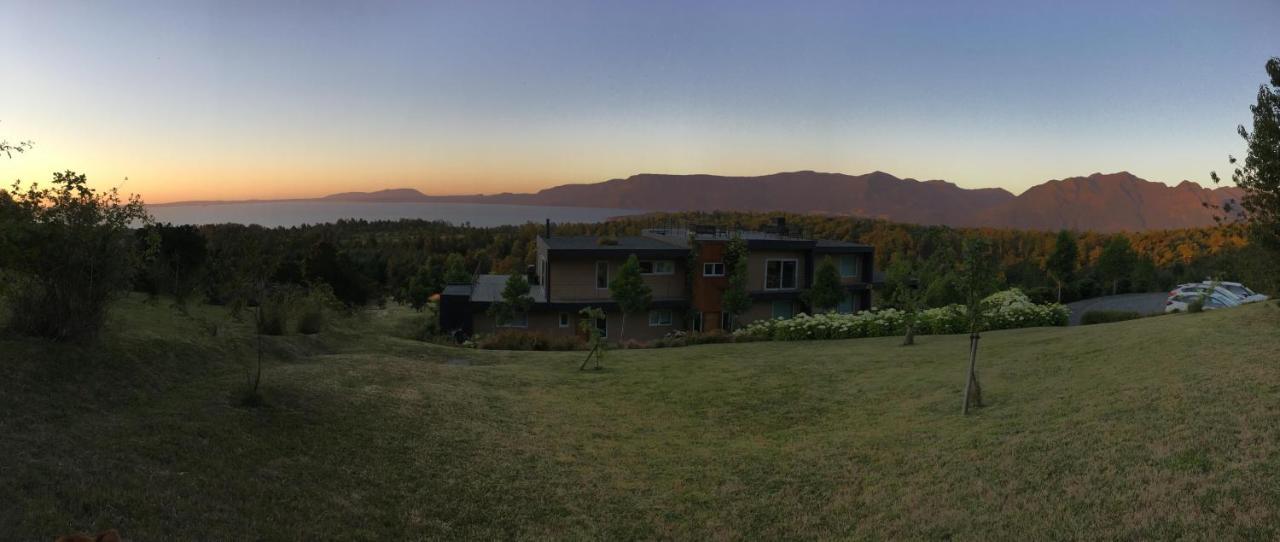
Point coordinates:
[[296, 213]]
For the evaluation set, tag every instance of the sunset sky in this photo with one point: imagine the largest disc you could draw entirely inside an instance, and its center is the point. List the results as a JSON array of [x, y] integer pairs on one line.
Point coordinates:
[[235, 100]]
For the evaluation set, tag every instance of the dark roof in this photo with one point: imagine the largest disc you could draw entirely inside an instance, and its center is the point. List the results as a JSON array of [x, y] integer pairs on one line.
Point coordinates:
[[489, 288], [591, 242], [457, 289]]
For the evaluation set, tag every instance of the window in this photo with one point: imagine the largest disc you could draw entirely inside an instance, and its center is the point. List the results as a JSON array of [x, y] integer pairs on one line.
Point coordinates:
[[696, 325], [657, 267], [726, 321], [780, 274], [782, 309], [846, 305], [660, 317], [519, 320], [849, 266], [564, 319], [602, 324], [602, 275], [713, 269]]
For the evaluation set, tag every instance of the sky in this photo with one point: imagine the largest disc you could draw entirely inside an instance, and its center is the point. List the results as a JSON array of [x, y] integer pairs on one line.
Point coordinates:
[[184, 99]]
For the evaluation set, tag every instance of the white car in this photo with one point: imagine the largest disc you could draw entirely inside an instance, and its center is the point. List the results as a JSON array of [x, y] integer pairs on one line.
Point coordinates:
[[1180, 302], [1245, 294], [1197, 288]]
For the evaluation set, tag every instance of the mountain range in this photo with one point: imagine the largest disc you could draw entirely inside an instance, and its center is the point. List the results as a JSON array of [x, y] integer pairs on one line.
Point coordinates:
[[1099, 202]]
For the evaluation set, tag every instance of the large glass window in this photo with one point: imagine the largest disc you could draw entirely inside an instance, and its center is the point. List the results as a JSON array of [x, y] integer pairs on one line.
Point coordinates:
[[657, 267], [780, 274], [849, 266], [846, 305], [660, 317], [782, 309], [602, 275]]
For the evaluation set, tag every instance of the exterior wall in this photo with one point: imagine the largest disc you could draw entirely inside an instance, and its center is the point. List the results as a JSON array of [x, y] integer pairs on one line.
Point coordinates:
[[548, 322], [574, 279], [756, 267], [763, 310], [708, 292]]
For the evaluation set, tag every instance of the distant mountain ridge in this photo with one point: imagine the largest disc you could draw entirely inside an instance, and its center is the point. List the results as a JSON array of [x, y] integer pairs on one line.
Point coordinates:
[[1100, 202]]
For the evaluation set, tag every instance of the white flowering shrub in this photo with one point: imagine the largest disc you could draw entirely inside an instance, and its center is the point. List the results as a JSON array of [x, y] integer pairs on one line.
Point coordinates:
[[1004, 310]]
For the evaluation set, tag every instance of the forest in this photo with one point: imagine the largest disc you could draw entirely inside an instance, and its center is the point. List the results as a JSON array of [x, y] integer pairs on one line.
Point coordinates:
[[407, 260]]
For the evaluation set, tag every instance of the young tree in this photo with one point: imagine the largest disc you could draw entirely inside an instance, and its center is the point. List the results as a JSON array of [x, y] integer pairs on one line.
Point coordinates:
[[515, 301], [629, 291], [1061, 264], [977, 281], [906, 294], [456, 270], [588, 317], [1117, 261], [72, 252], [735, 299], [826, 292], [1259, 175]]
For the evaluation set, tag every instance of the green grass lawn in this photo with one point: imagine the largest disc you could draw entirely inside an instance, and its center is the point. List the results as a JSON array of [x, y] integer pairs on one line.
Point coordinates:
[[1154, 428]]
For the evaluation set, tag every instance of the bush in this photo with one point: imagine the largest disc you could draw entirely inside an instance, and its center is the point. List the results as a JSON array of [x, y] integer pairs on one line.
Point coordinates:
[[1103, 317], [69, 251], [527, 340], [273, 313], [1196, 306], [310, 319], [1004, 310]]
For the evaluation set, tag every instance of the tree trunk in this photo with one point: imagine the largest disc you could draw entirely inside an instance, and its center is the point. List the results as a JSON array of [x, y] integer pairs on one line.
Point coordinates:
[[1059, 292], [622, 330], [971, 387]]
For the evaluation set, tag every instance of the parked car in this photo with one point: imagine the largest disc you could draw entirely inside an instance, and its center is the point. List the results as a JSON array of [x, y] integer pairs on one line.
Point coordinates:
[[1181, 302], [1245, 294], [1197, 288]]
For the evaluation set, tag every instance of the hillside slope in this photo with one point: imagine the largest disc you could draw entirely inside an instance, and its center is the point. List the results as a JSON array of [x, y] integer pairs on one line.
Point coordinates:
[[1108, 202], [1154, 429], [1099, 202]]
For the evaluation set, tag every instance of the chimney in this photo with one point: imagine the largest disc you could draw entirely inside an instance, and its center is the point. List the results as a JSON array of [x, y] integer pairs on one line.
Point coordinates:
[[780, 223], [547, 232]]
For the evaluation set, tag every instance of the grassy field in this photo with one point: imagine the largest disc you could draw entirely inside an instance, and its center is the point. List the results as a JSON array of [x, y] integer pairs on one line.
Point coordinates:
[[1156, 428]]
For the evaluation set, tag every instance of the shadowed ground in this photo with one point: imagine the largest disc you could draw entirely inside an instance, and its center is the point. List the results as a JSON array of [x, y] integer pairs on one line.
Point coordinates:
[[1155, 428]]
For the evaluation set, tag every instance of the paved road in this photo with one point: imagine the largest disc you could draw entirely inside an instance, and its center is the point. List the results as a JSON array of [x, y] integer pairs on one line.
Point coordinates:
[[1142, 303]]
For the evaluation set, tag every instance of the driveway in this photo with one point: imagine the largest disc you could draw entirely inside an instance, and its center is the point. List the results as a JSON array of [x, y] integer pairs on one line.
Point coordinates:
[[1141, 303]]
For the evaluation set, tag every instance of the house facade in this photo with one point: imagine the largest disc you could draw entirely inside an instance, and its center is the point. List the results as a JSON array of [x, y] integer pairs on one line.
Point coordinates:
[[684, 268]]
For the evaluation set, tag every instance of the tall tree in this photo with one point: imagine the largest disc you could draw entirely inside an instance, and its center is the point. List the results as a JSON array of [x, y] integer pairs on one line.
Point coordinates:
[[977, 281], [1061, 264], [515, 301], [1117, 261], [826, 291], [455, 270], [735, 299], [1259, 175], [629, 291]]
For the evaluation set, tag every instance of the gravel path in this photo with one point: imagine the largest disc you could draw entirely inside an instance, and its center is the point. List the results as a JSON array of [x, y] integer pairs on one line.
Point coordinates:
[[1142, 303]]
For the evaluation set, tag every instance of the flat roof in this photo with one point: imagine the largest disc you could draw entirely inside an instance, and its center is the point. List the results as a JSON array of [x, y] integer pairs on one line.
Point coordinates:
[[592, 242], [488, 288]]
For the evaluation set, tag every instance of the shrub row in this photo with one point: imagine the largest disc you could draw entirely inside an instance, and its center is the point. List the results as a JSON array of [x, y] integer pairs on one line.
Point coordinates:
[[1004, 310], [1103, 317]]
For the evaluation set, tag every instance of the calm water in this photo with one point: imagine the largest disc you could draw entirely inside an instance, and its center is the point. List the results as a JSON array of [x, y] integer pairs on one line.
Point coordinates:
[[294, 213]]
